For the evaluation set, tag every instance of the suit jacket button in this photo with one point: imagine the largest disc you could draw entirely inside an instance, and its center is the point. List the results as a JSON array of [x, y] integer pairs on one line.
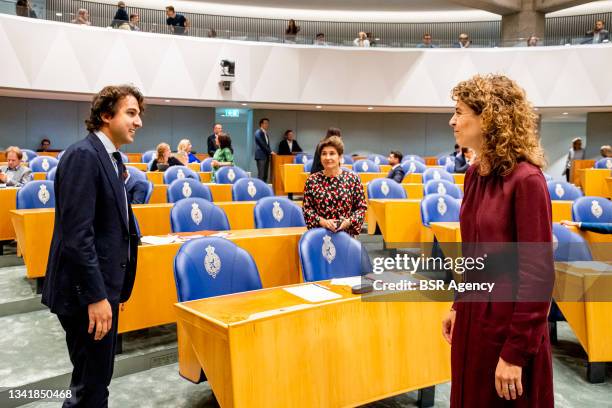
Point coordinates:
[[122, 266]]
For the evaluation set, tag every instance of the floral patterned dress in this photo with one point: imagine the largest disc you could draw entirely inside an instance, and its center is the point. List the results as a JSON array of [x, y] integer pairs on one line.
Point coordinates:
[[334, 198]]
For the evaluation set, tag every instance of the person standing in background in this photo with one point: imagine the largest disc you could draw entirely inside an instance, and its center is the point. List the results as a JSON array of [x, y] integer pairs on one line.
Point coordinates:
[[262, 149], [178, 23], [121, 16], [289, 145], [212, 142], [575, 153], [316, 160]]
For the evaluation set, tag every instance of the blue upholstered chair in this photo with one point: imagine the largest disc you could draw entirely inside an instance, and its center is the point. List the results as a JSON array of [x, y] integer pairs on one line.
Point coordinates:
[[366, 166], [327, 255], [437, 174], [413, 166], [179, 173], [347, 159], [136, 174], [250, 189], [213, 266], [188, 188], [308, 165], [42, 164], [229, 175], [206, 164], [60, 154], [605, 163], [592, 209], [439, 208], [562, 190], [442, 187], [413, 157], [445, 160], [548, 177], [450, 167], [51, 174], [197, 214], [385, 188], [149, 192], [378, 159], [278, 212], [28, 155], [36, 194], [148, 156], [302, 158]]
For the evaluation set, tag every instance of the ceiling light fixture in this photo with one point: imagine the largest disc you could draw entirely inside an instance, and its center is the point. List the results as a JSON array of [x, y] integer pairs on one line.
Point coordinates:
[[370, 108], [318, 106], [565, 113], [244, 104]]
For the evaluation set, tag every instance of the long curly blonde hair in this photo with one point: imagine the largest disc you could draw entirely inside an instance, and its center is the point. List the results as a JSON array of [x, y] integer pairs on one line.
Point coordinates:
[[509, 124]]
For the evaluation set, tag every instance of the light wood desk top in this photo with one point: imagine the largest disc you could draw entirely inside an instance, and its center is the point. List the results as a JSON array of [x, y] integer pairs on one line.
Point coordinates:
[[271, 348], [8, 202], [399, 220]]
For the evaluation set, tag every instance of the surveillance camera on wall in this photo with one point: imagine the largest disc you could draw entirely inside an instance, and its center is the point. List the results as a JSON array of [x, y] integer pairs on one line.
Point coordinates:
[[228, 74]]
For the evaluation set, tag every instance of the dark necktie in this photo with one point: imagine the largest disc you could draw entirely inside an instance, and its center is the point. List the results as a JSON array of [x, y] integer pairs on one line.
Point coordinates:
[[120, 165]]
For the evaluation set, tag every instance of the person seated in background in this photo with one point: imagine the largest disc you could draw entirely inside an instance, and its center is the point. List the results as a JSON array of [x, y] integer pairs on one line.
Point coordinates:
[[164, 158], [426, 43], [316, 160], [23, 8], [121, 17], [334, 198], [211, 33], [82, 17], [396, 173], [134, 20], [605, 151], [14, 174], [320, 40], [599, 34], [178, 23], [224, 156], [45, 144], [464, 41], [289, 145], [532, 41], [182, 157], [599, 227], [185, 147], [457, 150], [361, 40], [461, 161], [136, 190], [291, 31]]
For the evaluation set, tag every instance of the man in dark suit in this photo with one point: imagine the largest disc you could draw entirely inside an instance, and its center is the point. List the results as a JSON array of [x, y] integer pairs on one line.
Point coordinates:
[[461, 162], [396, 173], [212, 139], [599, 34], [92, 261], [262, 149], [289, 145]]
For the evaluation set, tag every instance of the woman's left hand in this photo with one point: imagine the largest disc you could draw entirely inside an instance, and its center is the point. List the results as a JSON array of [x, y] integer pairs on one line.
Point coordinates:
[[508, 380], [346, 224], [214, 163]]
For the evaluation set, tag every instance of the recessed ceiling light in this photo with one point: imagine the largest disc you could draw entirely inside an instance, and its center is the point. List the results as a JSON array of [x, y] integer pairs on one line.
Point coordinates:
[[370, 108], [565, 113], [167, 100], [536, 109], [244, 104], [318, 106]]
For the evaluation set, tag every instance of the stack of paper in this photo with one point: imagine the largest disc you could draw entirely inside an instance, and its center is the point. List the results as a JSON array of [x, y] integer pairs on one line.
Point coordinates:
[[312, 293]]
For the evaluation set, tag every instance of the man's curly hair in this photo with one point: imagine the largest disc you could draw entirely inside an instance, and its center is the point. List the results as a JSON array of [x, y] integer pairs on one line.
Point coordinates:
[[508, 121], [107, 101]]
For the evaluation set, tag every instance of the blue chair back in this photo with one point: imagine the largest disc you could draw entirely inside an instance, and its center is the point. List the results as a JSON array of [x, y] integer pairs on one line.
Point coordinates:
[[442, 187], [28, 155], [197, 214], [378, 159], [301, 158], [212, 266], [51, 174], [562, 190], [187, 188], [437, 174], [136, 174], [547, 177], [385, 188], [569, 246], [445, 160], [149, 192], [439, 208], [179, 173], [148, 156], [308, 166], [347, 159], [278, 212], [250, 189], [42, 164], [592, 209], [413, 166], [413, 157], [365, 166], [36, 194], [229, 175], [206, 164], [60, 154], [605, 163], [450, 167], [327, 255]]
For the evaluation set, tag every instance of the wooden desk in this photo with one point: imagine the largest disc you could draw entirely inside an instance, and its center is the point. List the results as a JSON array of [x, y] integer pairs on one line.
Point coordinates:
[[561, 210], [399, 220], [294, 178], [157, 177], [134, 158], [139, 166], [277, 172], [609, 185], [39, 175], [258, 352], [446, 231], [8, 202], [274, 250], [574, 170], [590, 320], [593, 181]]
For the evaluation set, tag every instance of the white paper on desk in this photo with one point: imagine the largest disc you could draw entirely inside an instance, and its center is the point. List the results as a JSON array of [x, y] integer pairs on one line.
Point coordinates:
[[350, 281], [312, 293], [155, 240], [221, 234], [190, 237], [592, 265]]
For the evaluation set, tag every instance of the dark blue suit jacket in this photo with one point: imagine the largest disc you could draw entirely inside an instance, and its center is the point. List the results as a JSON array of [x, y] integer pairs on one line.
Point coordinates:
[[136, 191], [262, 149], [397, 174], [94, 247], [599, 227], [461, 164]]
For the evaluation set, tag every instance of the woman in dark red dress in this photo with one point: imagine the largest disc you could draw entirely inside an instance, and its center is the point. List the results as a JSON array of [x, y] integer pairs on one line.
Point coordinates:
[[333, 197], [500, 350]]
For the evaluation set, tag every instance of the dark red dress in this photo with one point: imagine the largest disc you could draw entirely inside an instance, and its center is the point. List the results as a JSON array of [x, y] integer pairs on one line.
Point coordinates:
[[334, 198], [495, 209]]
